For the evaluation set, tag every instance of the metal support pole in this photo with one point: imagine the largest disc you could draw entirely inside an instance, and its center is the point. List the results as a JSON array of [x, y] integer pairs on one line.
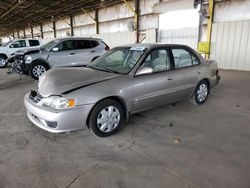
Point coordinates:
[[18, 35], [96, 22], [24, 33], [95, 19], [54, 28], [32, 33], [137, 9], [71, 26], [209, 24], [41, 30]]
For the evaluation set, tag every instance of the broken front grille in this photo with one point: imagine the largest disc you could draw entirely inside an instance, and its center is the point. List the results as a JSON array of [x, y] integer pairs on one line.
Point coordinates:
[[35, 97]]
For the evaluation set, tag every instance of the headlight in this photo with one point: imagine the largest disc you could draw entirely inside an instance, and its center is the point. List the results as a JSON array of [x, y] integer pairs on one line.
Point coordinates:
[[58, 102], [28, 59]]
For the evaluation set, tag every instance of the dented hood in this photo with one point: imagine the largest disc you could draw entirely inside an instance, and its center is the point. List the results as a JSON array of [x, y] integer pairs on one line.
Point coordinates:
[[65, 80]]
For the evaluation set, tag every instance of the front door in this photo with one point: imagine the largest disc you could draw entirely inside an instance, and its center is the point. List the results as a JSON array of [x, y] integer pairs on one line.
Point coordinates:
[[155, 88], [64, 56]]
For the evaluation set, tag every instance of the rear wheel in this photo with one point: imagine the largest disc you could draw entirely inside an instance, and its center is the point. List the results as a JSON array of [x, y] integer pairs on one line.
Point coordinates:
[[3, 62], [37, 69], [106, 118], [201, 93]]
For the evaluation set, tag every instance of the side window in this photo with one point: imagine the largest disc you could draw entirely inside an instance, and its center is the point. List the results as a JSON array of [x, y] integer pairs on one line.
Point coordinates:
[[183, 58], [34, 43], [83, 44], [94, 43], [18, 44], [65, 45], [158, 60]]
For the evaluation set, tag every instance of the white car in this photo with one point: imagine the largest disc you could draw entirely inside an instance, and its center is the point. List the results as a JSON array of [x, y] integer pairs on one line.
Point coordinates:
[[14, 45]]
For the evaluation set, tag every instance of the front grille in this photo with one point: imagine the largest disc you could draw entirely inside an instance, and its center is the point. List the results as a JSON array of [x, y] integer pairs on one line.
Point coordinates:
[[35, 96]]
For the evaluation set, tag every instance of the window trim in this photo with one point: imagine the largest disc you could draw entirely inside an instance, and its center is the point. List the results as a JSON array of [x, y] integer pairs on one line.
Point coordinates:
[[146, 56], [191, 54]]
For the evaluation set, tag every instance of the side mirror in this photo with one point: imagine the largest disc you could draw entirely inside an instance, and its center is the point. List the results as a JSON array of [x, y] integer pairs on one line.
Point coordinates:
[[144, 70], [11, 46], [55, 49]]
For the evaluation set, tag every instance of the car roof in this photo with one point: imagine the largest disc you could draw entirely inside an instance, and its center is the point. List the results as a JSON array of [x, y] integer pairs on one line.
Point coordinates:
[[153, 45], [77, 38]]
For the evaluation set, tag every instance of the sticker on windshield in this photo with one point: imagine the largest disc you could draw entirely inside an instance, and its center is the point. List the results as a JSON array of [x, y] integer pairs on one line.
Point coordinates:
[[138, 48]]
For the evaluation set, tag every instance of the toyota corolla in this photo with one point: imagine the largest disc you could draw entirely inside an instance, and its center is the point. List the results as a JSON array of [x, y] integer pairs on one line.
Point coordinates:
[[128, 79]]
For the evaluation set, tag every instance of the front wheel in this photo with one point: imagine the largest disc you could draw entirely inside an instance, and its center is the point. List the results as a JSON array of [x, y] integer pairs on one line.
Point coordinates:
[[37, 69], [201, 93], [106, 118], [3, 62]]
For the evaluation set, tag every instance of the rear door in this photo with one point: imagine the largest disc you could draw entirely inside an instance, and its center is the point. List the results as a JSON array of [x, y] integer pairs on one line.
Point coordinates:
[[186, 71], [33, 43], [84, 52], [156, 88]]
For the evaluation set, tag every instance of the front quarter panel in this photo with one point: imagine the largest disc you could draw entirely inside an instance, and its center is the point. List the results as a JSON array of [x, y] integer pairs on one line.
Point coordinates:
[[118, 87]]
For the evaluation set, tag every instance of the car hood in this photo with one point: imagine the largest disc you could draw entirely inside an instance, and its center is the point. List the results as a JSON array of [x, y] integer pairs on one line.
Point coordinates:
[[27, 51], [65, 80]]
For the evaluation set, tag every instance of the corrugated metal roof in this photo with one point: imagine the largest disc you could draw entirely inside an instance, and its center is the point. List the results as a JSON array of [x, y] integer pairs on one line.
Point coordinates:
[[17, 14]]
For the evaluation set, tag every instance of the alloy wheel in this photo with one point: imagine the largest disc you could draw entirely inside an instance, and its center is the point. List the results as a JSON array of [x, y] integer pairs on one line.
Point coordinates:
[[38, 70]]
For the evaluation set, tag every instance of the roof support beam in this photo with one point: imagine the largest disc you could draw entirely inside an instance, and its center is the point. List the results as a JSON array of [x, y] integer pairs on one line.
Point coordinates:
[[95, 19]]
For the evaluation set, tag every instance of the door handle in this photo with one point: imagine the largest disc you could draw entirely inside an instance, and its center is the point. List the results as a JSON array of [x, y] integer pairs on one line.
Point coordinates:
[[92, 51], [72, 53], [170, 78], [199, 72]]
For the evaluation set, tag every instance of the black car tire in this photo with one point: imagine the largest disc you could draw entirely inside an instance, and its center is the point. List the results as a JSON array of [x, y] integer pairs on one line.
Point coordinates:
[[203, 85], [3, 57], [96, 113], [34, 66]]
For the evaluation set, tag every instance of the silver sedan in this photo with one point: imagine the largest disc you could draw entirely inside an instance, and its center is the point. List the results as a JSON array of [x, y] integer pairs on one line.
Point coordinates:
[[126, 80]]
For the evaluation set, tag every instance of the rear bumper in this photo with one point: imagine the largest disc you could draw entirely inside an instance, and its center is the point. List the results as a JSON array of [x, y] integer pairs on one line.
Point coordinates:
[[57, 121]]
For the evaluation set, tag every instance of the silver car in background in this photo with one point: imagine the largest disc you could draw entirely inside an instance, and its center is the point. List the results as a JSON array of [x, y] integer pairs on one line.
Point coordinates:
[[126, 80], [71, 51]]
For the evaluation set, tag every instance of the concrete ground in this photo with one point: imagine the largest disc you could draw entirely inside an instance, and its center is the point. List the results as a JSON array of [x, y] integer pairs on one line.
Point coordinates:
[[214, 147]]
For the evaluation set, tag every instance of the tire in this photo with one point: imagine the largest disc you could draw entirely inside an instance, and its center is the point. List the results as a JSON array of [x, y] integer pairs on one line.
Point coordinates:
[[106, 126], [37, 69], [3, 62], [201, 93]]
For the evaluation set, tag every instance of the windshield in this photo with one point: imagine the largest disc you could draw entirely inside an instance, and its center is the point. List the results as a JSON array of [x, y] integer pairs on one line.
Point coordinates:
[[7, 43], [119, 60], [50, 44]]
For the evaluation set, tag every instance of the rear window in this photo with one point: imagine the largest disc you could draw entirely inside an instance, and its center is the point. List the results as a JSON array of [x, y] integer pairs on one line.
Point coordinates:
[[34, 42], [85, 44]]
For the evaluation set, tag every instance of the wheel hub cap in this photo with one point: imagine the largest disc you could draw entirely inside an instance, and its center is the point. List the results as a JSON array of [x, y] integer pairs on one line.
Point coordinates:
[[108, 119], [2, 62], [202, 92], [38, 70]]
